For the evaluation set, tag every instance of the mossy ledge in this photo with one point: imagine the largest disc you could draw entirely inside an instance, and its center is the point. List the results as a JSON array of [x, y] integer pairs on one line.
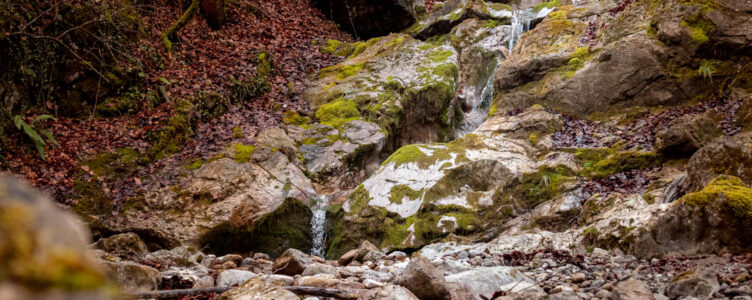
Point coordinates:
[[727, 191]]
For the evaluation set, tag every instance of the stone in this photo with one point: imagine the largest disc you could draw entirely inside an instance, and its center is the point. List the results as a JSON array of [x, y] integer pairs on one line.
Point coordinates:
[[278, 279], [276, 138], [578, 277], [485, 281], [230, 278], [424, 280], [319, 268], [257, 288], [133, 277], [319, 281], [725, 155], [701, 284], [370, 283], [123, 245], [184, 256], [632, 289], [357, 254], [204, 283], [44, 244], [389, 292], [234, 258], [685, 135], [292, 262]]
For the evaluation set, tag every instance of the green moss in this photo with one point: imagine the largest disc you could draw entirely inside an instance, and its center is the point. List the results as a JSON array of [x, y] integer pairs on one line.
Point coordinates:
[[359, 48], [195, 165], [257, 85], [288, 226], [340, 71], [395, 42], [500, 6], [440, 56], [242, 153], [338, 112], [725, 190], [621, 162], [533, 138], [358, 199], [577, 61], [698, 28], [122, 162], [293, 118], [331, 46], [402, 191], [415, 28], [457, 148], [549, 4], [560, 15], [126, 103], [178, 130], [543, 185]]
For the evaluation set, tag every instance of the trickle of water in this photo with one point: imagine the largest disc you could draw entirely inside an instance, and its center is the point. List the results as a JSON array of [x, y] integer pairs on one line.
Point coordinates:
[[478, 114], [521, 20], [318, 225]]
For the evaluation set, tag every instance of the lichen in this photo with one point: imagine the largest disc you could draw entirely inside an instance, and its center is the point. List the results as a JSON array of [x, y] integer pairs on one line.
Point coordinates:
[[698, 28], [549, 4], [340, 72], [331, 46], [293, 118], [621, 162], [543, 185], [402, 191], [500, 6]]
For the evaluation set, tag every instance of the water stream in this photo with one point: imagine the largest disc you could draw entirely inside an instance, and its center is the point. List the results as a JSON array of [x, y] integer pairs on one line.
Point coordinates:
[[318, 225], [521, 20]]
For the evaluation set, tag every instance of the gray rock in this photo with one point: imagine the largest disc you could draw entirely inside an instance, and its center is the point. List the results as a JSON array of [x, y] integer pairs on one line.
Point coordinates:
[[701, 284], [278, 279], [133, 277], [257, 288], [230, 278], [292, 262], [389, 292], [632, 289], [370, 283], [485, 281], [424, 280], [318, 268], [123, 245], [204, 282]]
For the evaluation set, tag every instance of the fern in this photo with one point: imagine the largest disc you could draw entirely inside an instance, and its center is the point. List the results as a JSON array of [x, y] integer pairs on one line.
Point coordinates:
[[36, 132], [707, 68]]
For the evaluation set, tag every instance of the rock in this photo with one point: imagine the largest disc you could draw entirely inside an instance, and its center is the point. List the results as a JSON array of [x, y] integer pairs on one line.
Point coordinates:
[[632, 289], [230, 278], [292, 262], [318, 268], [701, 285], [258, 289], [133, 277], [276, 138], [685, 135], [357, 254], [319, 281], [389, 292], [184, 256], [424, 280], [277, 279], [713, 220], [123, 245], [204, 283], [370, 283], [578, 277], [46, 246], [724, 156], [484, 282]]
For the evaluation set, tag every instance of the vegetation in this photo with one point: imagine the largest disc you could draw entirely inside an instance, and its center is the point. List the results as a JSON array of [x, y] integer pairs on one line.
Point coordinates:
[[36, 131]]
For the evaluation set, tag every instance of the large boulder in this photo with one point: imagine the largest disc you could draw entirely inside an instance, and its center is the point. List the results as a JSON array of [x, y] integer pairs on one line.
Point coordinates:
[[633, 289], [133, 277], [404, 85], [485, 282], [724, 156], [424, 280], [123, 245], [292, 262], [43, 250], [701, 285]]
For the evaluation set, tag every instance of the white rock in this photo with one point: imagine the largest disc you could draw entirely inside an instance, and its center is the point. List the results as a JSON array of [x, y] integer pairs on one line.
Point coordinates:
[[234, 277]]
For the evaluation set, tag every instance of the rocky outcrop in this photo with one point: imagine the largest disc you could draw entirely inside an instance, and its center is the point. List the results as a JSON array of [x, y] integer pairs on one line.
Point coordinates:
[[43, 249], [724, 156]]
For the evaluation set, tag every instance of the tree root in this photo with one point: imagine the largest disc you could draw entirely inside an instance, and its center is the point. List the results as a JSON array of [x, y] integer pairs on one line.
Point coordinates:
[[187, 16]]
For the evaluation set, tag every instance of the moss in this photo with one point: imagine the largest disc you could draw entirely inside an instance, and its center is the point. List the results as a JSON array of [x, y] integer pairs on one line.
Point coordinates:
[[560, 15], [456, 149], [402, 191], [500, 6], [288, 226], [257, 85], [126, 103], [549, 4], [341, 71], [533, 138], [177, 131], [338, 112], [577, 61], [195, 165], [440, 56], [358, 199], [725, 190], [91, 200], [698, 28], [331, 46], [293, 118], [543, 185], [415, 28], [242, 153], [621, 162], [238, 133], [122, 162], [359, 47]]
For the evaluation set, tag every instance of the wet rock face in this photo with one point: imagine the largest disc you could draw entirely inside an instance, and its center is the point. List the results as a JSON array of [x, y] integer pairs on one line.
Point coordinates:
[[367, 18]]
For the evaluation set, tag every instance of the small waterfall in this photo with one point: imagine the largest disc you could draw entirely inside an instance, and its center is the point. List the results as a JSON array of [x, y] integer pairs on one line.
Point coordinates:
[[481, 104], [318, 225], [521, 20]]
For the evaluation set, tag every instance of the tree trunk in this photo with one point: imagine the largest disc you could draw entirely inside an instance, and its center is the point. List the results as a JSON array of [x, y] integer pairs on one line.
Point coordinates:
[[214, 13]]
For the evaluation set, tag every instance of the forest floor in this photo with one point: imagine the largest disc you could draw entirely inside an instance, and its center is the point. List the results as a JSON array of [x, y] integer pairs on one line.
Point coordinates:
[[291, 31]]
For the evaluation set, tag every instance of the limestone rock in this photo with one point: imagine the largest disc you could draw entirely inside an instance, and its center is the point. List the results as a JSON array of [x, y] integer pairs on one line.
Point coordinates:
[[483, 282], [123, 245], [424, 280], [701, 285], [133, 277], [687, 134], [724, 156], [292, 262], [257, 288], [632, 289], [234, 277], [318, 268], [389, 292]]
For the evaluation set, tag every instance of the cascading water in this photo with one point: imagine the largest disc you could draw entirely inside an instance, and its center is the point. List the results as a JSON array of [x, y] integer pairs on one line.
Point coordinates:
[[477, 115], [521, 20], [318, 225]]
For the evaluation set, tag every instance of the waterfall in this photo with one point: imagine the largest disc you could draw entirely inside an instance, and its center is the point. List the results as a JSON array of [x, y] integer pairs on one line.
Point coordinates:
[[521, 20], [318, 225]]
